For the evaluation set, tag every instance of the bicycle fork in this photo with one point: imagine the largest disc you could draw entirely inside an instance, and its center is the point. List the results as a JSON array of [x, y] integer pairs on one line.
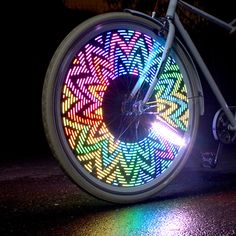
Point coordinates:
[[165, 54]]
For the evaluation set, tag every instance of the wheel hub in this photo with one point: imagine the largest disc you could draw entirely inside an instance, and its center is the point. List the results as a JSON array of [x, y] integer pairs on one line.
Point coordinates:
[[123, 115], [132, 107]]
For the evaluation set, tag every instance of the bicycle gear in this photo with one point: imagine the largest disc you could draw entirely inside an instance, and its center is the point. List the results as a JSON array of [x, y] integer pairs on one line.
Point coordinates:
[[220, 127]]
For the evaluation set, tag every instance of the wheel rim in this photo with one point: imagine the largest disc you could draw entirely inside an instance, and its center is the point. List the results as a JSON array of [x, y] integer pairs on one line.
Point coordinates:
[[110, 162]]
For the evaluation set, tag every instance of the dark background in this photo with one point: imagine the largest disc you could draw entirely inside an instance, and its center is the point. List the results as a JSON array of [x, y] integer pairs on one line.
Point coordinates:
[[31, 32]]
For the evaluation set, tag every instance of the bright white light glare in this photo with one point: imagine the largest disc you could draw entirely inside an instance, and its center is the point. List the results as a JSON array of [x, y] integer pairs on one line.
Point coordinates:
[[168, 133]]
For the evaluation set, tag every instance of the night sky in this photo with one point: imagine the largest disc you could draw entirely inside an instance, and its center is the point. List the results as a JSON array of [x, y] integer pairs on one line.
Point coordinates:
[[31, 32]]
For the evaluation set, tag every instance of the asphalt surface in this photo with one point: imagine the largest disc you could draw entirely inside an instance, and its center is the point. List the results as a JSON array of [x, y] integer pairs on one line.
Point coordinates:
[[37, 198]]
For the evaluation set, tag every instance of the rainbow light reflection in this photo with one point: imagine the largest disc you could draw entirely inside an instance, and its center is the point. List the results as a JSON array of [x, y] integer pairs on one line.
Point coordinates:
[[104, 58]]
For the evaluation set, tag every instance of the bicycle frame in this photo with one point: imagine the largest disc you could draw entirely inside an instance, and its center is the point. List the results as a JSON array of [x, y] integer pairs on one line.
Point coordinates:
[[174, 22], [121, 148]]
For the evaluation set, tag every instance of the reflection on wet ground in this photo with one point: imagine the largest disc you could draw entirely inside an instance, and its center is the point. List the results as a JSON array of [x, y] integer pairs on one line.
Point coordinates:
[[37, 198]]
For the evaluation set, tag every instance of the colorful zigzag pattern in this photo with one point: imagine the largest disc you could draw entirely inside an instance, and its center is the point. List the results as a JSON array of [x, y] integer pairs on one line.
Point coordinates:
[[103, 59]]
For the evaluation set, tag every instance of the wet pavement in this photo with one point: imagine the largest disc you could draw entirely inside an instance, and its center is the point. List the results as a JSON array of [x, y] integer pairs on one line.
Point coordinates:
[[37, 198]]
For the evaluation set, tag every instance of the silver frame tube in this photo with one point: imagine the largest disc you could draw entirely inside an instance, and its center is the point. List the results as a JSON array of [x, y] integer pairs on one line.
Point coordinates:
[[168, 45]]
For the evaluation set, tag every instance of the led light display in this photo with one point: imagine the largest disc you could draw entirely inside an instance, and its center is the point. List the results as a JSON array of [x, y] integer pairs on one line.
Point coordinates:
[[124, 56]]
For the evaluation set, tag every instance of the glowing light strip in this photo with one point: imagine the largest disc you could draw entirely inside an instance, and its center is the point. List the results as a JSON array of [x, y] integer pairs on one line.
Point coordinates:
[[167, 132]]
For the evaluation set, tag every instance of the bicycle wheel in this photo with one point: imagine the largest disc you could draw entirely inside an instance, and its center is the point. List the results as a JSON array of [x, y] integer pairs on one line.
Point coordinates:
[[111, 150]]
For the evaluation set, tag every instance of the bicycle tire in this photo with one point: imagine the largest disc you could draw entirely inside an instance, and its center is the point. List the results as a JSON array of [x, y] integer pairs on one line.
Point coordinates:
[[94, 59]]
